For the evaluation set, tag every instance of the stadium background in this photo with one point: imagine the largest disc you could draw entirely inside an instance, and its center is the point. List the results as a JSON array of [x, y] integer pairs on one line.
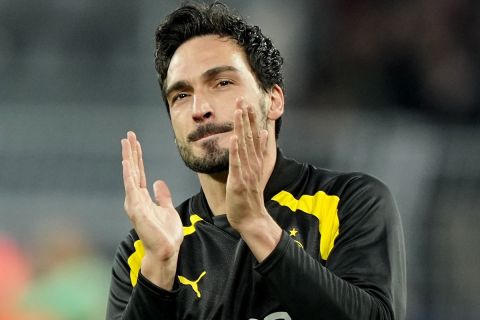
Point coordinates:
[[385, 87]]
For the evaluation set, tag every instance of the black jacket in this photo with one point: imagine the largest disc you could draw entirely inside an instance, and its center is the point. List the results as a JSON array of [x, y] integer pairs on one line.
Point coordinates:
[[341, 256]]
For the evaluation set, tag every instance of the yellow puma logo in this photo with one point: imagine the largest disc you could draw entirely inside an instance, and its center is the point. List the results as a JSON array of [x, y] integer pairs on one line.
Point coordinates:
[[193, 284]]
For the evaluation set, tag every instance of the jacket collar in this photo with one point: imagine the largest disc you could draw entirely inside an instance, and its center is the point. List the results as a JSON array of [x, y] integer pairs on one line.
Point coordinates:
[[285, 172]]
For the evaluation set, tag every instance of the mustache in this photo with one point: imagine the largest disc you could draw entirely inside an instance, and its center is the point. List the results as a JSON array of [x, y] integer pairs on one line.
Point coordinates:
[[209, 129]]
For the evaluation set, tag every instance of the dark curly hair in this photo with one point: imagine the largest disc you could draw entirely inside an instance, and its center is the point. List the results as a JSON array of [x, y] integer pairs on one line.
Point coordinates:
[[192, 20]]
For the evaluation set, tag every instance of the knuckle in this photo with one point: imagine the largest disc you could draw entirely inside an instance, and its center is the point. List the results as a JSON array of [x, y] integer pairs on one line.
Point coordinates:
[[136, 216], [239, 187]]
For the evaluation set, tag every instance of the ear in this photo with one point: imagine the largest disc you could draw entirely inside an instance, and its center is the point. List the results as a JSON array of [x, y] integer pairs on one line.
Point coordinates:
[[277, 103]]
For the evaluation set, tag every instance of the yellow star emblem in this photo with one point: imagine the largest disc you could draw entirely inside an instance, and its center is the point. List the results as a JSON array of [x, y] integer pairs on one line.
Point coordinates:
[[293, 232]]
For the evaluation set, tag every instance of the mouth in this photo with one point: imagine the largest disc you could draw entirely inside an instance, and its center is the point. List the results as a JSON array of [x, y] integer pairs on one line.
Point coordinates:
[[208, 131], [212, 135]]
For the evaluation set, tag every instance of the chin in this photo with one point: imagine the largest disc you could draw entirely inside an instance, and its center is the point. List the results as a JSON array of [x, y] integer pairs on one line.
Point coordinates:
[[205, 156]]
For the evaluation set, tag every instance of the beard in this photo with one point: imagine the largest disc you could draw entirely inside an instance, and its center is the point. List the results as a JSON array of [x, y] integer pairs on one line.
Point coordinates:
[[215, 158]]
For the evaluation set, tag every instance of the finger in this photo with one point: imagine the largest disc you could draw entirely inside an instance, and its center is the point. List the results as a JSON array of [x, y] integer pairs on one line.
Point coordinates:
[[126, 176], [239, 132], [125, 149], [234, 170], [132, 139], [247, 131], [141, 167], [127, 156], [255, 131], [129, 183], [162, 194], [238, 114]]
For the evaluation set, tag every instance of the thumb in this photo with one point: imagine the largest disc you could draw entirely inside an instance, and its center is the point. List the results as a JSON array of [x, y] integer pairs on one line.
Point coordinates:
[[163, 197]]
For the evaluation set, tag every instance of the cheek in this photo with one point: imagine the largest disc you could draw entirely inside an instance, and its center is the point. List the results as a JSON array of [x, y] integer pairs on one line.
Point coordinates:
[[178, 130], [223, 102]]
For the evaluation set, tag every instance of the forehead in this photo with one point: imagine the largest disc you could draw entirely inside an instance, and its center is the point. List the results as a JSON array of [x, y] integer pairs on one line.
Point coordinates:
[[199, 54]]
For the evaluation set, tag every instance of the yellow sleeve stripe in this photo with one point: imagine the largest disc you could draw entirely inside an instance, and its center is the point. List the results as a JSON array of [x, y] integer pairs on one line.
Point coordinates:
[[135, 259], [320, 205]]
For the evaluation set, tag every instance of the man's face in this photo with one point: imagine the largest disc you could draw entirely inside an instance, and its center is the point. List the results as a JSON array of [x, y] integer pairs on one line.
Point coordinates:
[[205, 78]]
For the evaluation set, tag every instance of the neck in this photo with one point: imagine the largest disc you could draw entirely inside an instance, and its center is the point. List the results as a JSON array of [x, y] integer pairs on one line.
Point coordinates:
[[214, 185]]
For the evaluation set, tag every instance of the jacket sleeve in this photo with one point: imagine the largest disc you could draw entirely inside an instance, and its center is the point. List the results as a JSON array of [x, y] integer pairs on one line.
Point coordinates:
[[364, 275], [143, 301]]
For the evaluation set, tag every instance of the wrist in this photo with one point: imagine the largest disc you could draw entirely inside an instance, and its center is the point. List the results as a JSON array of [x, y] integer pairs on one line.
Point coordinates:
[[160, 272], [262, 235]]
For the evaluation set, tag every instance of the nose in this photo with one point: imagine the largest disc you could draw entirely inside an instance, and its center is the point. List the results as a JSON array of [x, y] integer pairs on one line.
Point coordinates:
[[201, 109]]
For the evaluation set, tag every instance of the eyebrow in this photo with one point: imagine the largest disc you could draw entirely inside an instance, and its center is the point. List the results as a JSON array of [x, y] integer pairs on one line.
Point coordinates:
[[183, 85], [178, 86], [210, 73]]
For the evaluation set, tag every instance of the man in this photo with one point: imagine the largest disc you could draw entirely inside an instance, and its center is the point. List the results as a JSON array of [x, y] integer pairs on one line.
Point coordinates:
[[266, 237]]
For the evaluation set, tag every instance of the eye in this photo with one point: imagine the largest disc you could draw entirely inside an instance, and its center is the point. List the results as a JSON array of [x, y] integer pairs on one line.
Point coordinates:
[[224, 83], [179, 96]]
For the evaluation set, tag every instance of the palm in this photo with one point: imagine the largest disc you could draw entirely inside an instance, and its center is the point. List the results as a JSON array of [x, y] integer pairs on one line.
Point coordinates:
[[157, 223], [160, 228]]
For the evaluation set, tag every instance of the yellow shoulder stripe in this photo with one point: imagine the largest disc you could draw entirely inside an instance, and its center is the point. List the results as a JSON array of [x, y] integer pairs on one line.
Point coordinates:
[[191, 229], [135, 259], [320, 205]]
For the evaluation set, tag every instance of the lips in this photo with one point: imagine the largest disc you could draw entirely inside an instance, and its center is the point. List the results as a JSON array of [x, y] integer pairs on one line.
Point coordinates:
[[209, 130]]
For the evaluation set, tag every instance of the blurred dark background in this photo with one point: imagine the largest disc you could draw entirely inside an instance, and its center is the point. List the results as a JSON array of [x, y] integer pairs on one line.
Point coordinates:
[[390, 88]]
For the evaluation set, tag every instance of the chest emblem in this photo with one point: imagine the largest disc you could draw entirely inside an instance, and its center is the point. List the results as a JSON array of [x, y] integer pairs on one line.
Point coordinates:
[[293, 233], [193, 284]]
